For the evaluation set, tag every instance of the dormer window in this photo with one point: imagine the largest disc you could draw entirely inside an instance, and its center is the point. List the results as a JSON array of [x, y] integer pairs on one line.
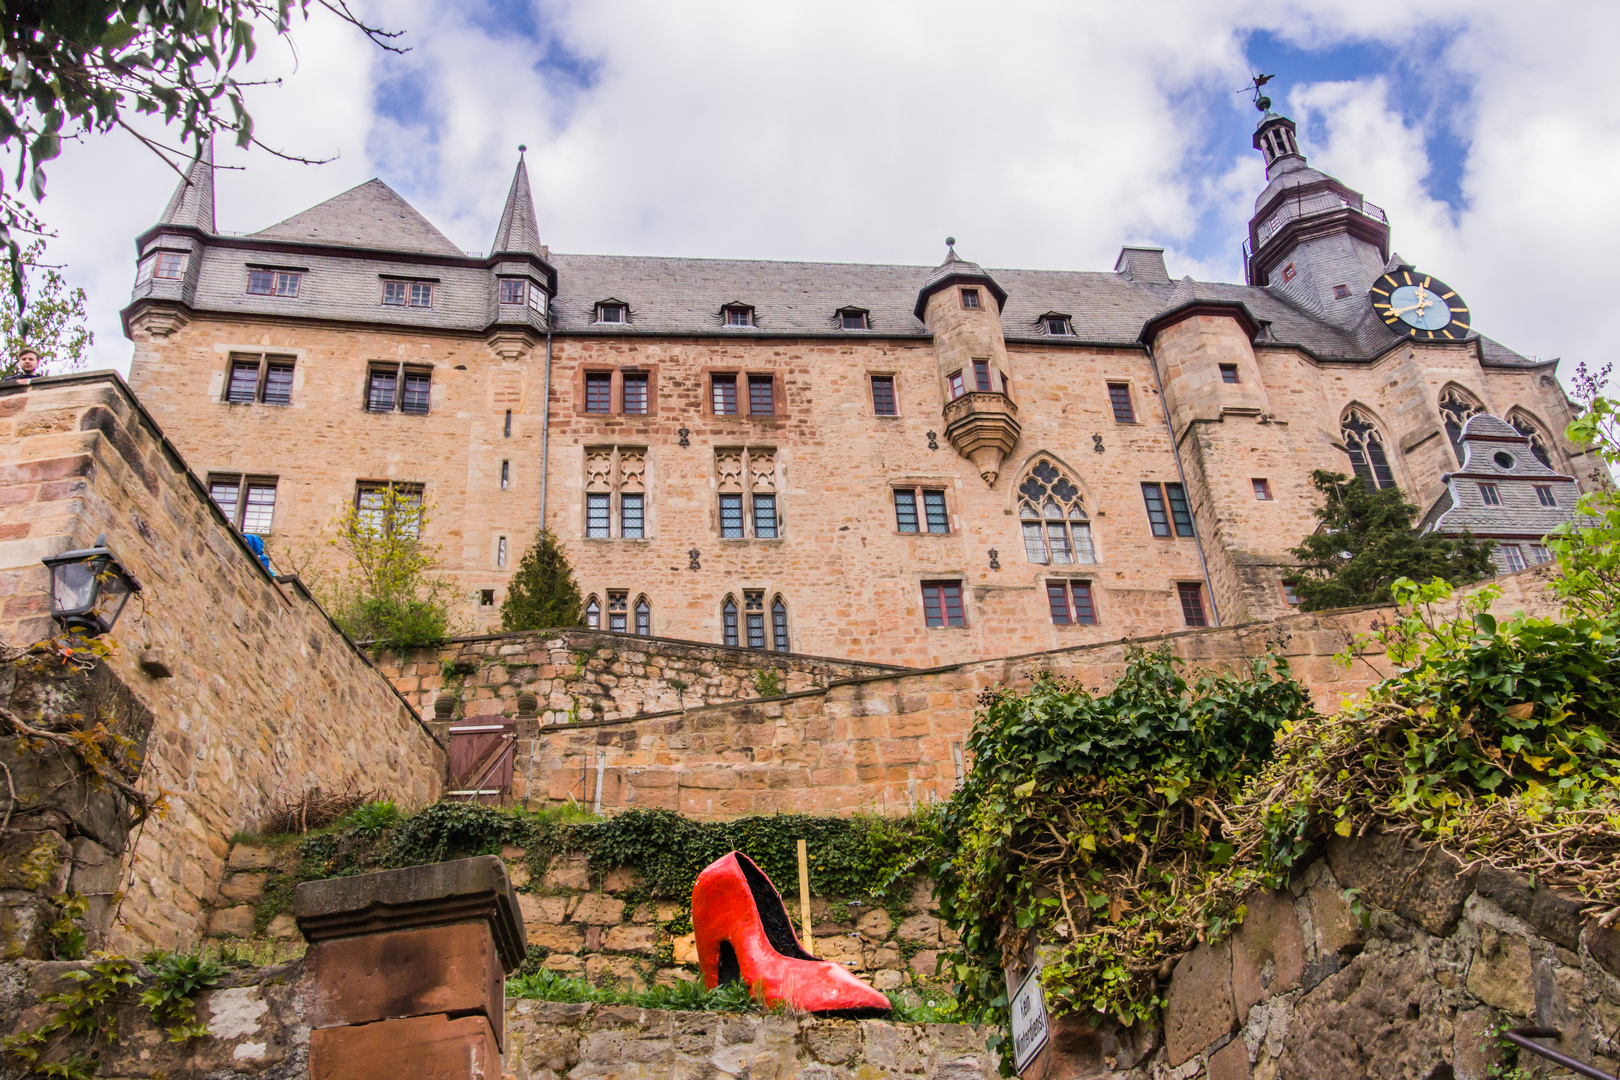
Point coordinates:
[[1059, 325], [853, 319], [273, 283], [408, 293], [970, 298], [738, 315], [170, 265], [610, 313]]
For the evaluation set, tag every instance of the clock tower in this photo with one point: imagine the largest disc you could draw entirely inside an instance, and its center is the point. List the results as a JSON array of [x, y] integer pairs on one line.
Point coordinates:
[[1313, 239]]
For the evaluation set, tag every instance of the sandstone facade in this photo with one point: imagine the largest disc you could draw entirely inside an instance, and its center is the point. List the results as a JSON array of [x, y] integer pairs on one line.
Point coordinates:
[[256, 695]]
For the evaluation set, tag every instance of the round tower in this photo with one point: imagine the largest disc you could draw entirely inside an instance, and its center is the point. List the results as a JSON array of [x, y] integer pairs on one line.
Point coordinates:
[[961, 304]]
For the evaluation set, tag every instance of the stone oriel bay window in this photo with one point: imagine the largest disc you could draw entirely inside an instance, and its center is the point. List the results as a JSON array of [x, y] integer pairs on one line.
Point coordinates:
[[616, 493], [262, 379], [746, 482], [248, 502]]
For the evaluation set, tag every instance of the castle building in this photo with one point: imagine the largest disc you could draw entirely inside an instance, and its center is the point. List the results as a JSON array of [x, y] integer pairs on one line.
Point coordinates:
[[899, 463]]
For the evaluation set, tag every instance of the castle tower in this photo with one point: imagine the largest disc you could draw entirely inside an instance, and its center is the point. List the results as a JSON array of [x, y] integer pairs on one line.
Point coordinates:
[[981, 420], [1312, 239]]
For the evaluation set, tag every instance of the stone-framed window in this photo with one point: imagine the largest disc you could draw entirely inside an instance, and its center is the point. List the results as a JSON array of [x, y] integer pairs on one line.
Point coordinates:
[[616, 493], [633, 392], [1365, 446], [779, 624], [942, 603], [1290, 591], [921, 510], [728, 620], [885, 402], [593, 613], [1457, 406], [970, 298], [761, 395], [618, 611], [1167, 510], [262, 379], [1229, 374], [379, 514], [958, 387], [248, 502], [599, 391], [1262, 488], [745, 478], [723, 393], [399, 388], [1119, 398], [1070, 603], [1052, 517], [1191, 595], [643, 616]]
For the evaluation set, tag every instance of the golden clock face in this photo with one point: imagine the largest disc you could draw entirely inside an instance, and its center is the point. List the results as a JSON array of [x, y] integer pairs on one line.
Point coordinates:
[[1420, 307]]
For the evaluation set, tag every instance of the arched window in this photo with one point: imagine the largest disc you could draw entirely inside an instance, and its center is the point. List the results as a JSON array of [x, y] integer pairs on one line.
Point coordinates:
[[643, 617], [1366, 449], [1538, 438], [1455, 409], [779, 630], [593, 614], [1053, 515], [728, 618]]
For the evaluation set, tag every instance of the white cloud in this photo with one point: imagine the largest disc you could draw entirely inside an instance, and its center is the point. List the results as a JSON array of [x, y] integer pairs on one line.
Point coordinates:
[[1039, 134]]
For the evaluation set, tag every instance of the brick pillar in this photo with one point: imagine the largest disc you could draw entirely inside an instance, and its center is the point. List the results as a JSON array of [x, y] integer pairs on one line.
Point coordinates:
[[410, 968]]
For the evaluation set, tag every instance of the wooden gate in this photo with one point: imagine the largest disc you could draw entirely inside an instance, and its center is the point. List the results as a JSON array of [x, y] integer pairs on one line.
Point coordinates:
[[481, 761]]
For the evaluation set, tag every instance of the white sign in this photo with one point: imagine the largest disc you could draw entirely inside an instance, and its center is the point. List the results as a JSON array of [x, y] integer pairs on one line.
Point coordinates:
[[1028, 1013]]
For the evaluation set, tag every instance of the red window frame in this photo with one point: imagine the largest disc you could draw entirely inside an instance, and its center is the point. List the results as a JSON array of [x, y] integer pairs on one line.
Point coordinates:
[[1191, 594], [942, 603], [1119, 396], [884, 402]]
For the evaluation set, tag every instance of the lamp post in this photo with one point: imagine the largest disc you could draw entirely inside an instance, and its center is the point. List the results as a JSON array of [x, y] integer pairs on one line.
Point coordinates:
[[89, 589]]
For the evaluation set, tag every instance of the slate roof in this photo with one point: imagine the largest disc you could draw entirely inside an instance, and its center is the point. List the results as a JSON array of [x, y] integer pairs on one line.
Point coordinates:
[[518, 230], [372, 215], [193, 200], [1520, 513]]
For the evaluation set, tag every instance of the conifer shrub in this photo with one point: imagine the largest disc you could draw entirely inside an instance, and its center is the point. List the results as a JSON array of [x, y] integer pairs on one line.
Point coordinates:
[[542, 594]]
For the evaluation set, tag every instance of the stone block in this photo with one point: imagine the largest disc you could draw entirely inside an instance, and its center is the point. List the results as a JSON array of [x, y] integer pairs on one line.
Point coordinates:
[[439, 969], [1603, 942], [1558, 916], [572, 872], [1421, 883], [686, 949], [566, 938], [834, 1042], [1473, 1051], [564, 964], [251, 857], [1502, 974], [619, 879], [597, 909], [875, 925], [541, 909], [421, 1048], [1268, 951], [620, 971], [1511, 892], [1338, 931], [923, 964], [233, 921], [1230, 1062], [281, 927], [1199, 1007], [919, 930], [243, 886], [888, 980], [633, 938]]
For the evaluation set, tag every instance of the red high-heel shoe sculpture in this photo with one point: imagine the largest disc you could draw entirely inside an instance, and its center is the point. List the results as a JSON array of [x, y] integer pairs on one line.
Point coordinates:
[[744, 935]]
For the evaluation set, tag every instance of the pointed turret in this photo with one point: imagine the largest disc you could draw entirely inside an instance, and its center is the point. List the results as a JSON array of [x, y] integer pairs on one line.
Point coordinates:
[[192, 203], [518, 230], [974, 369]]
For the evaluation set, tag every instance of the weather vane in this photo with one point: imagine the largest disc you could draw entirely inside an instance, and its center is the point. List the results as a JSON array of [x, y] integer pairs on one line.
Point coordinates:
[[1261, 102]]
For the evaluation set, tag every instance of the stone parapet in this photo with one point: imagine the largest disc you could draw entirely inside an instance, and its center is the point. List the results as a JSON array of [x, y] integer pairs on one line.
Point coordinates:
[[255, 694]]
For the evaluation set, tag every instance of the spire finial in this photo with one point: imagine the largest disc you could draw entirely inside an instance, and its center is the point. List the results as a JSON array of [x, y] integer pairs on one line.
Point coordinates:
[[522, 149], [1261, 102]]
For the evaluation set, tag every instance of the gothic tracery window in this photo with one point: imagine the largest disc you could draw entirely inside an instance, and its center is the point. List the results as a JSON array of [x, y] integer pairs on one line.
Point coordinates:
[[1053, 515], [1366, 449], [1455, 409], [1538, 439]]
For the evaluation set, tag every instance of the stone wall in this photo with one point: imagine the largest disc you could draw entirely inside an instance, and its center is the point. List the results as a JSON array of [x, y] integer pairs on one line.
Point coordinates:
[[256, 694], [1303, 991], [893, 741], [604, 929], [258, 1027], [590, 675]]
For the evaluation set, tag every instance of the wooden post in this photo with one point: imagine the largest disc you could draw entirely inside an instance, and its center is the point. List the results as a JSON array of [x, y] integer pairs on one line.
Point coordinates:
[[804, 900]]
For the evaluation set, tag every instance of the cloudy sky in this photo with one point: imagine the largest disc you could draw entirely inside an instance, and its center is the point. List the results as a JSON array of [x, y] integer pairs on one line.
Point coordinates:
[[1041, 135]]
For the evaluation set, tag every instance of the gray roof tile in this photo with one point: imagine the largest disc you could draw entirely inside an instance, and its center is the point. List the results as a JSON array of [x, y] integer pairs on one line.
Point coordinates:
[[372, 215]]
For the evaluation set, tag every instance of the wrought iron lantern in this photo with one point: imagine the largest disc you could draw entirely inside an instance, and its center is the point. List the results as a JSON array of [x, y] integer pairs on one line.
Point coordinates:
[[89, 589]]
